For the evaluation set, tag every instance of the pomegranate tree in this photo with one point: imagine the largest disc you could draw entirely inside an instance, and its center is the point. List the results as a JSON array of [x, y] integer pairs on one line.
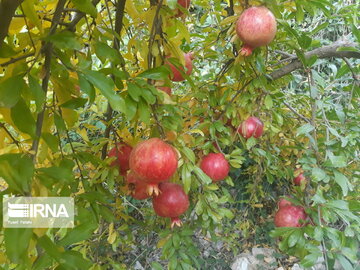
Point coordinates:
[[122, 153], [251, 127], [299, 177], [153, 161], [171, 202], [177, 76], [215, 166], [290, 216], [255, 27]]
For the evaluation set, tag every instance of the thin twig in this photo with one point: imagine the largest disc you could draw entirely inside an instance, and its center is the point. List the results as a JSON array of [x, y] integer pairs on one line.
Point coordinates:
[[295, 112], [2, 125], [14, 60], [355, 76]]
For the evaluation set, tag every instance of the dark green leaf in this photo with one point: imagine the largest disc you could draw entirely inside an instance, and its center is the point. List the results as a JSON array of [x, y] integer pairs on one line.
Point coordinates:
[[74, 103], [23, 119], [158, 73], [64, 40], [16, 243], [85, 6], [17, 170], [105, 52], [37, 92], [10, 91], [86, 87], [106, 87]]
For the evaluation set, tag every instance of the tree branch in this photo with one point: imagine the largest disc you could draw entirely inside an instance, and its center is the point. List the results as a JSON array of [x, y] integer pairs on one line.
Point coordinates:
[[120, 7], [7, 10], [323, 52], [45, 82]]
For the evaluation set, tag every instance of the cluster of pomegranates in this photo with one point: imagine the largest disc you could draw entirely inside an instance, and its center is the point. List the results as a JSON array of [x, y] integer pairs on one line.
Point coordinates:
[[290, 215], [151, 164]]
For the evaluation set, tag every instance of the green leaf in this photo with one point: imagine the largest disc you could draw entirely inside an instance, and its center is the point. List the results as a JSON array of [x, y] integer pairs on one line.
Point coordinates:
[[305, 129], [343, 182], [172, 3], [156, 266], [158, 73], [16, 243], [188, 153], [338, 161], [85, 6], [23, 119], [186, 177], [251, 142], [73, 260], [50, 248], [79, 233], [144, 112], [37, 92], [309, 260], [318, 174], [64, 40], [131, 108], [268, 102], [51, 140], [134, 91], [10, 91], [344, 262], [74, 103], [204, 178], [86, 87], [105, 52], [17, 170], [106, 87], [59, 123], [294, 238]]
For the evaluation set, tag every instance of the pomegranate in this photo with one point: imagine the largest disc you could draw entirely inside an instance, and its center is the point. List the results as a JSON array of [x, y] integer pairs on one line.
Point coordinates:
[[183, 3], [215, 166], [251, 127], [255, 27], [137, 188], [166, 89], [299, 177], [177, 76], [284, 202], [290, 216], [122, 153], [153, 161], [171, 202]]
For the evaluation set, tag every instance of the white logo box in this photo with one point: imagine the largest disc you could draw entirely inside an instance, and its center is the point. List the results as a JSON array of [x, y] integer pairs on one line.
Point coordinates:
[[38, 212]]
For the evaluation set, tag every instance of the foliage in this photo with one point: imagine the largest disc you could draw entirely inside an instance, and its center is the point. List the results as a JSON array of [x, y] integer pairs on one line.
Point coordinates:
[[80, 75]]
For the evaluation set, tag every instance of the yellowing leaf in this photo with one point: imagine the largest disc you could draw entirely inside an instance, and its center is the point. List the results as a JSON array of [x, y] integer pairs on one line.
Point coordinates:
[[28, 7], [16, 25], [131, 10]]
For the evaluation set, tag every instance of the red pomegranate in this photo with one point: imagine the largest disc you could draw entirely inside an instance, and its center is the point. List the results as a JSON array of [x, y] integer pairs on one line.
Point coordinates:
[[153, 161], [299, 177], [185, 4], [284, 202], [122, 153], [251, 127], [171, 202], [137, 188], [166, 89], [290, 216], [215, 166], [255, 27], [177, 76]]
